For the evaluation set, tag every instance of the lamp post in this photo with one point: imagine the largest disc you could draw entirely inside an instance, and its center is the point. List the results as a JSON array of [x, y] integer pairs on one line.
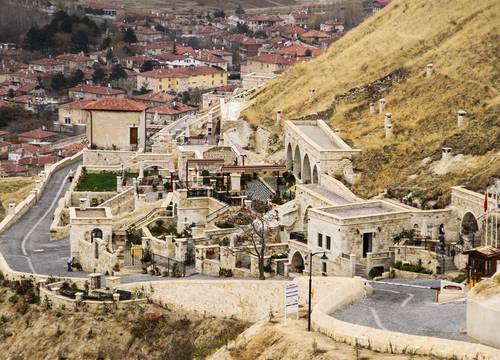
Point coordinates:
[[324, 257]]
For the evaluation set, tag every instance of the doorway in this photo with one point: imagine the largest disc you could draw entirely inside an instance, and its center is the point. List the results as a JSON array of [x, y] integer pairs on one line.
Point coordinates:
[[367, 243], [134, 135]]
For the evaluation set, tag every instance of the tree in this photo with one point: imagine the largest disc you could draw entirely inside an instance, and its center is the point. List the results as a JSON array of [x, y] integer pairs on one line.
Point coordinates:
[[160, 28], [242, 28], [99, 75], [80, 41], [109, 55], [77, 77], [58, 82], [118, 72], [254, 229], [239, 10], [32, 39], [130, 36], [147, 65], [11, 93], [353, 13], [106, 43], [219, 13]]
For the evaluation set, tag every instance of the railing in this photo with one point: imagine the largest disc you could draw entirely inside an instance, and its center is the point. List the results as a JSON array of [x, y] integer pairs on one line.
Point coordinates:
[[195, 193], [215, 214], [381, 255], [346, 256], [300, 236], [229, 200]]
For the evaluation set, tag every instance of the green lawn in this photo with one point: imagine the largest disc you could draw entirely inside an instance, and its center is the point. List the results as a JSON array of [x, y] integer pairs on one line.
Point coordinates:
[[98, 182]]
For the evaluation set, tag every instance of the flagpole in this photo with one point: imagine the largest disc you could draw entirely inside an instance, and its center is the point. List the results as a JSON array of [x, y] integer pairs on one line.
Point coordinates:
[[486, 217]]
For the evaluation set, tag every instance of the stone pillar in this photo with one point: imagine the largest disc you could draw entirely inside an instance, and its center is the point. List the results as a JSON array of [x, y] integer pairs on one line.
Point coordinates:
[[428, 70], [38, 184], [79, 297], [83, 203], [141, 171], [446, 153], [243, 199], [235, 182], [119, 184], [312, 94], [461, 117], [337, 131], [388, 125], [381, 105], [248, 204], [175, 184], [12, 208], [352, 259], [116, 300], [372, 108], [94, 281], [278, 117]]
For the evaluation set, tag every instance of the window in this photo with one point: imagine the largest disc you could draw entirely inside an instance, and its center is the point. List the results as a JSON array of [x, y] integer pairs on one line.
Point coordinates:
[[67, 120], [323, 267], [328, 242], [320, 240]]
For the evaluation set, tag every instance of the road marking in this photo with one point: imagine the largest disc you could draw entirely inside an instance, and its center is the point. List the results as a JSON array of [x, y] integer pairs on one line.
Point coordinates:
[[392, 291], [23, 243], [410, 296], [377, 319], [399, 284]]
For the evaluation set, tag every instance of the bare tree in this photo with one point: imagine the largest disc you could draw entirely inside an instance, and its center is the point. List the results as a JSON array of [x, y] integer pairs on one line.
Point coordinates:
[[254, 232]]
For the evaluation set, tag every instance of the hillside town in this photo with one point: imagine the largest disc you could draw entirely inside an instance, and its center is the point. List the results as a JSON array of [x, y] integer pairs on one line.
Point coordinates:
[[149, 182]]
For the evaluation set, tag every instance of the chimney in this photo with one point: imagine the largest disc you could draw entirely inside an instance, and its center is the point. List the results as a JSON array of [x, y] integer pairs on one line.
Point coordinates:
[[83, 204], [461, 117], [278, 117], [446, 153], [428, 70], [312, 94], [381, 105], [372, 108]]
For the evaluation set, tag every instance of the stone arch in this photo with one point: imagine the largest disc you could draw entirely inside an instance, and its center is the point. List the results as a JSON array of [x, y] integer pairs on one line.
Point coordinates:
[[95, 234], [297, 164], [470, 224], [289, 157], [297, 263], [315, 176], [306, 170]]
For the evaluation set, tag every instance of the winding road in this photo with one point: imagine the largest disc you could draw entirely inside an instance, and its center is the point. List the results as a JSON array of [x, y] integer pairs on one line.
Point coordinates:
[[25, 245]]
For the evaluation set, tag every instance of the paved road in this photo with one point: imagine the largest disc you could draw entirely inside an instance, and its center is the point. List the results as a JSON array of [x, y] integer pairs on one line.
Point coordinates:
[[26, 245], [408, 310]]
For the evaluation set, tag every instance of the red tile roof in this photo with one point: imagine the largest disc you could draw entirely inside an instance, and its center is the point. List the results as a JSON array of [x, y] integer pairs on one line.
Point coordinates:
[[159, 97], [116, 105], [37, 134], [99, 90], [179, 108], [47, 62], [298, 50], [12, 168], [272, 59], [38, 160], [315, 34], [75, 105]]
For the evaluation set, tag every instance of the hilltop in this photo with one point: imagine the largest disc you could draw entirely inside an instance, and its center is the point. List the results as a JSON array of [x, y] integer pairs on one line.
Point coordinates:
[[386, 56]]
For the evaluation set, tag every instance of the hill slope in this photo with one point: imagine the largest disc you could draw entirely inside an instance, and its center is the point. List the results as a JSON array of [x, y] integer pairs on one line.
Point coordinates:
[[386, 57]]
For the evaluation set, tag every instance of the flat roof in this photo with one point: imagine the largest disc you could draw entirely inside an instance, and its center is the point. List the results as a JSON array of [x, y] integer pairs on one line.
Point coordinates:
[[363, 209], [91, 213], [330, 195], [319, 136]]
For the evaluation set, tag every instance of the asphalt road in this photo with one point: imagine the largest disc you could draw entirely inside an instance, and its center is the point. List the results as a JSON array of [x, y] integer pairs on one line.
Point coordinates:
[[25, 245], [408, 310]]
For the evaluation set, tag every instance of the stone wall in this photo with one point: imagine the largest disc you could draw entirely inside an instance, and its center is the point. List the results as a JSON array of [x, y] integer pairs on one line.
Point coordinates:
[[106, 157], [122, 202], [483, 315], [36, 193], [412, 255], [104, 262]]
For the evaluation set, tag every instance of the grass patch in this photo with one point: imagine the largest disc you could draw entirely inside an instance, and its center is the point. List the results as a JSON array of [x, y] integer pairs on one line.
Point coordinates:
[[97, 182], [416, 268]]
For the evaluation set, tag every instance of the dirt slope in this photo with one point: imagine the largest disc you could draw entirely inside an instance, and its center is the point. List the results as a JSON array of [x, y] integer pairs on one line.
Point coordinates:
[[386, 57]]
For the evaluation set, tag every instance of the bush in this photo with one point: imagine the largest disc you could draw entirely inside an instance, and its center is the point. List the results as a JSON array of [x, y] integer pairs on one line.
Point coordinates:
[[459, 278], [375, 272], [418, 268], [225, 272]]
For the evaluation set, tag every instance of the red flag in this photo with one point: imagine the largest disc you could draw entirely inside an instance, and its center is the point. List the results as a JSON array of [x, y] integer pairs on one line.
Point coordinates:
[[486, 201]]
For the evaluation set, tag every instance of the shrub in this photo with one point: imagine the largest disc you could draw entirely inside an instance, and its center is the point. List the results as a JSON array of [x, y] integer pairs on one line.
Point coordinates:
[[418, 268], [459, 278], [225, 272], [375, 272]]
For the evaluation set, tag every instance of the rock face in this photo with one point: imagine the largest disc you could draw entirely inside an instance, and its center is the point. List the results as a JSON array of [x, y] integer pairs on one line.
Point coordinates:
[[385, 58]]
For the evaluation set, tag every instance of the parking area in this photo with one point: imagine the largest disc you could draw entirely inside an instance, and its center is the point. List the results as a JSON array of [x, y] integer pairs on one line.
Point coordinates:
[[411, 310]]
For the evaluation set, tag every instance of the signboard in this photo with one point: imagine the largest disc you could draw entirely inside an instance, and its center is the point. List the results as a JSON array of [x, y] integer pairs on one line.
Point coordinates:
[[291, 299]]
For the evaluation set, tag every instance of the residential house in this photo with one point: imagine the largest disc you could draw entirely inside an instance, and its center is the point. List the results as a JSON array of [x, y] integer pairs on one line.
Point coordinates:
[[37, 136], [47, 66], [117, 124], [260, 22], [249, 47], [73, 62], [296, 51], [335, 27], [155, 99], [93, 92], [299, 18], [314, 37], [167, 114], [182, 79], [100, 9], [267, 64], [9, 168], [73, 113]]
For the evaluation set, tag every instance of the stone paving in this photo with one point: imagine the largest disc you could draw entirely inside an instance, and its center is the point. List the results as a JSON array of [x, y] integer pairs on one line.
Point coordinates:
[[409, 310]]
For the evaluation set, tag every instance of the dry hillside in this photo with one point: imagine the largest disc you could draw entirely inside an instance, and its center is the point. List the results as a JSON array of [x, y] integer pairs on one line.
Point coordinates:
[[386, 57]]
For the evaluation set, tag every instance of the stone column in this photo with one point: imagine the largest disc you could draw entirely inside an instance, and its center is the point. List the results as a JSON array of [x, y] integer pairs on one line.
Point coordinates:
[[381, 105], [119, 184], [235, 182], [446, 153], [278, 117], [12, 209], [461, 117], [428, 70], [312, 94], [141, 171], [352, 259], [372, 108], [388, 125]]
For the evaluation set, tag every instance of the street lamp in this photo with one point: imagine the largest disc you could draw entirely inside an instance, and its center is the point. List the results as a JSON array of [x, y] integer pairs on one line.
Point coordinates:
[[324, 257]]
